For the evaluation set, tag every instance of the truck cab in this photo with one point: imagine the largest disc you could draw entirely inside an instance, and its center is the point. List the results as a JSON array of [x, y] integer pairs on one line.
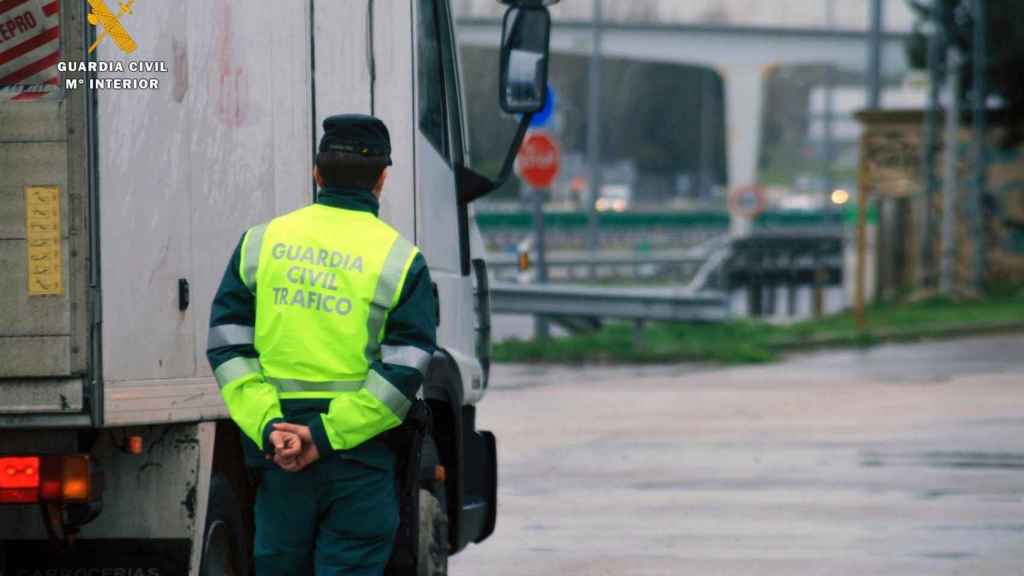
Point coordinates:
[[137, 143]]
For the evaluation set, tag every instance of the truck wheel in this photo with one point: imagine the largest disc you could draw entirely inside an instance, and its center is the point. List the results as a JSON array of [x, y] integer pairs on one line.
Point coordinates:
[[225, 550], [433, 533]]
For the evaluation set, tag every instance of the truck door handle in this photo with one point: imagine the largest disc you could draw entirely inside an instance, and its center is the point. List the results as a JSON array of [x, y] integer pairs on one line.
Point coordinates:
[[183, 294]]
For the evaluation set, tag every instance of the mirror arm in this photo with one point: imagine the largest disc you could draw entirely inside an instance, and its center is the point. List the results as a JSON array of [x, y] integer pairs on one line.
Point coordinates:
[[513, 150], [473, 185]]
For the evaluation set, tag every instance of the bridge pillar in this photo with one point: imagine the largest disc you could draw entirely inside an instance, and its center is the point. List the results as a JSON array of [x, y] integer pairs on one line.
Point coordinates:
[[744, 101]]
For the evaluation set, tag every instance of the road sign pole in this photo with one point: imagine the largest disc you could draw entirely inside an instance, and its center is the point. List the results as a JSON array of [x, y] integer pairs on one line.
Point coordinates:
[[541, 328]]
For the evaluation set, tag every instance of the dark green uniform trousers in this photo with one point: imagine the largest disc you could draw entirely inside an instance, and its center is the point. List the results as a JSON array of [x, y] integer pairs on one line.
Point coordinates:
[[336, 517]]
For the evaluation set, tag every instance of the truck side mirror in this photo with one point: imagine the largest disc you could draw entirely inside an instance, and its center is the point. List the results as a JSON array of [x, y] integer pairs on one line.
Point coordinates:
[[525, 34]]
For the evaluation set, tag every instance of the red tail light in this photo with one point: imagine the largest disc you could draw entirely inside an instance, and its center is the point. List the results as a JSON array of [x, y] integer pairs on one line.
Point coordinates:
[[26, 479], [19, 479]]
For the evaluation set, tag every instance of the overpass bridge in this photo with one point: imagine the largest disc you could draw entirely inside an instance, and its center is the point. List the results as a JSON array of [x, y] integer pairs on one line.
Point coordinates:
[[741, 54]]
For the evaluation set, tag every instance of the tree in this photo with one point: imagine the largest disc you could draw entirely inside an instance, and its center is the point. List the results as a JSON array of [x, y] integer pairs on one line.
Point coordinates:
[[1005, 55]]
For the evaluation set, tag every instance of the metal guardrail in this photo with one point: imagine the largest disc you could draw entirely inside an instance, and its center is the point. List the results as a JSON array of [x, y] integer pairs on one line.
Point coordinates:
[[646, 220], [566, 267], [757, 264], [619, 259], [562, 300], [681, 265]]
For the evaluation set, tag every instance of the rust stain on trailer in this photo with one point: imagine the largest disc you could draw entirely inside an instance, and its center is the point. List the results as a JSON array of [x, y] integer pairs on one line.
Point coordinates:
[[189, 502], [229, 80], [180, 69]]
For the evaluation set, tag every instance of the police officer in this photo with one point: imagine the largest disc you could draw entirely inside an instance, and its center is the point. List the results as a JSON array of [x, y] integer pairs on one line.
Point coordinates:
[[320, 335]]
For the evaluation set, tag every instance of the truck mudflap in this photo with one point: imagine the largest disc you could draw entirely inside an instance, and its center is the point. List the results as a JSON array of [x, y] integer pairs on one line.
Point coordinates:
[[107, 557], [490, 453], [480, 506]]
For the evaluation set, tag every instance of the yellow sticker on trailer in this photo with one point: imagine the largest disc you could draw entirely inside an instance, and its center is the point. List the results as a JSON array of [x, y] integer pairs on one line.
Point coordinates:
[[42, 236]]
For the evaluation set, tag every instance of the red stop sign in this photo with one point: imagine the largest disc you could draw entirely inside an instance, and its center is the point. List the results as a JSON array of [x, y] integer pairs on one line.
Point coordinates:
[[538, 159]]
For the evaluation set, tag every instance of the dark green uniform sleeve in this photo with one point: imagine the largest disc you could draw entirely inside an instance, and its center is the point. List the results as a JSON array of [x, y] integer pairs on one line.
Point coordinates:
[[251, 401], [410, 339]]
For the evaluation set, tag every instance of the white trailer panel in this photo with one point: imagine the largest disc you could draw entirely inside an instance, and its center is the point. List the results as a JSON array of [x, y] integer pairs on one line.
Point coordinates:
[[393, 103], [343, 60], [145, 207], [224, 144]]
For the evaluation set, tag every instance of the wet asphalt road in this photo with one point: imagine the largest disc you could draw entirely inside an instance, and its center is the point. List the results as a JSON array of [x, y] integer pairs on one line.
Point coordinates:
[[903, 459]]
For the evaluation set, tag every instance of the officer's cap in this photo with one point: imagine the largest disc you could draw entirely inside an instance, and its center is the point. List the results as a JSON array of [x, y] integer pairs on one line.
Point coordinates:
[[357, 134]]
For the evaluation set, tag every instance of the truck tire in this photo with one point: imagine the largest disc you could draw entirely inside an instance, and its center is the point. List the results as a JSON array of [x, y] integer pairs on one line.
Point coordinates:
[[432, 558], [225, 548]]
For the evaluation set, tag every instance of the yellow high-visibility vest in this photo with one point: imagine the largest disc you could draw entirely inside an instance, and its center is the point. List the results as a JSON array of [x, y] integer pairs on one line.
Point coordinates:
[[325, 279]]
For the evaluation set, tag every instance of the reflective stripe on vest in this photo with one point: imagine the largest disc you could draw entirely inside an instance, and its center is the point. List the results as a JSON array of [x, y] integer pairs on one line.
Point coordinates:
[[387, 292], [229, 335], [250, 257], [235, 369], [388, 395], [288, 385], [375, 384], [407, 356]]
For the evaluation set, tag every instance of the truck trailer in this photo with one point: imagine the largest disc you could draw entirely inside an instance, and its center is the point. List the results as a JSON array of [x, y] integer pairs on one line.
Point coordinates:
[[138, 141]]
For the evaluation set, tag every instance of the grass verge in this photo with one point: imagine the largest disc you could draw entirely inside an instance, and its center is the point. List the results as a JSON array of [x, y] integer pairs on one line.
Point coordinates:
[[745, 342]]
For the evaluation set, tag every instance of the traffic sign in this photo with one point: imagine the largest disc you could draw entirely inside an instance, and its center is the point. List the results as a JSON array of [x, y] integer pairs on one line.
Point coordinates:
[[538, 160], [746, 201], [540, 119]]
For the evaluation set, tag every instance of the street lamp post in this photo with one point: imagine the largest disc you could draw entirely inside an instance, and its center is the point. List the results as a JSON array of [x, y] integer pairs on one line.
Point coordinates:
[[949, 177], [980, 141], [874, 100], [931, 145], [594, 133]]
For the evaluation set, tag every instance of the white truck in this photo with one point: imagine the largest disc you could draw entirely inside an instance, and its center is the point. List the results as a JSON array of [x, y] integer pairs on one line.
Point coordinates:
[[137, 142]]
